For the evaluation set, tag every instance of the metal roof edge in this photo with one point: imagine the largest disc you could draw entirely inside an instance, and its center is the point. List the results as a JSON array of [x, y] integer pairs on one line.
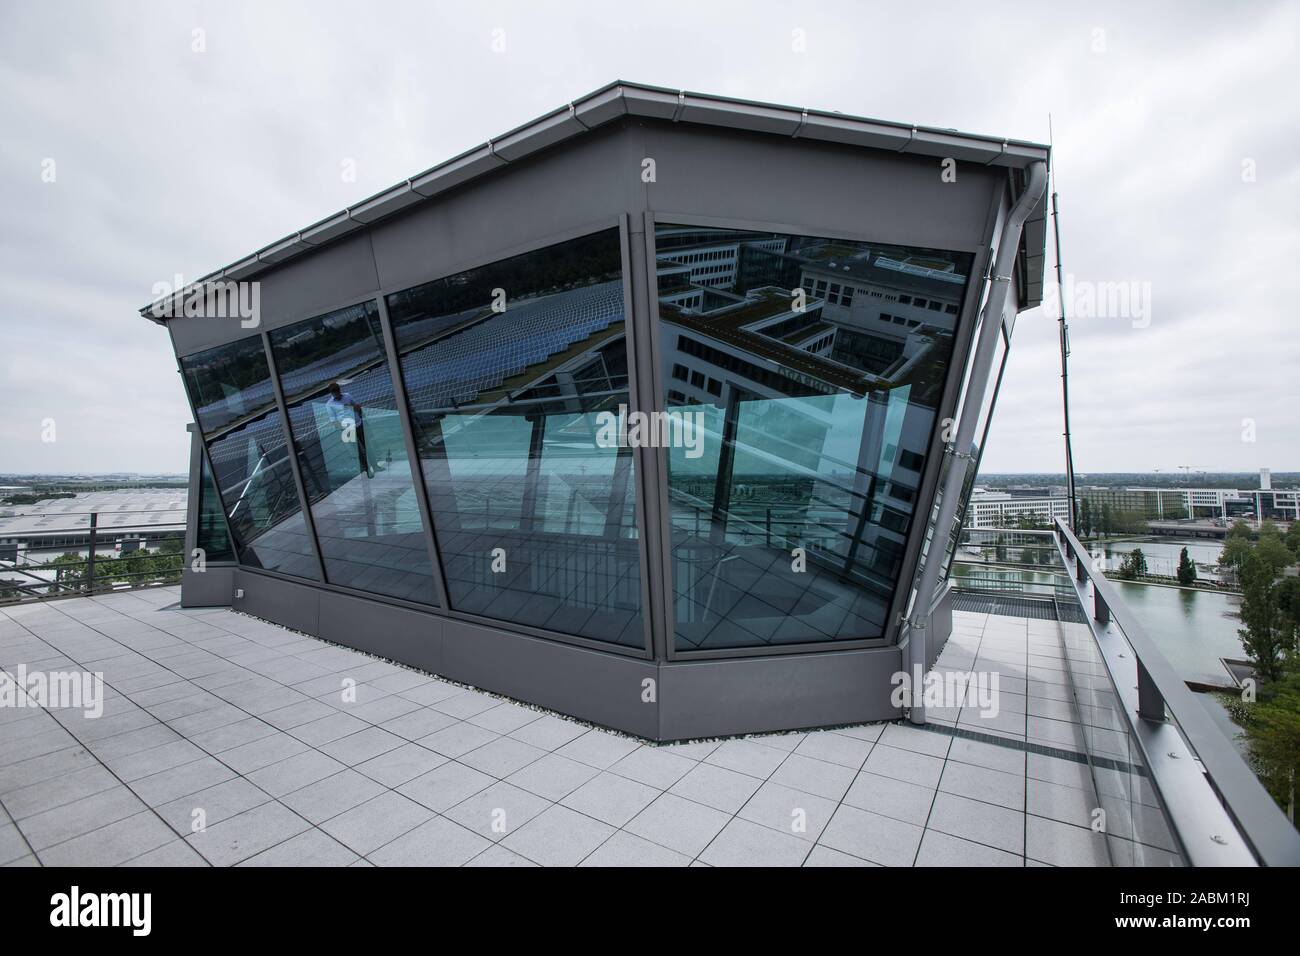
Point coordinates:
[[602, 106]]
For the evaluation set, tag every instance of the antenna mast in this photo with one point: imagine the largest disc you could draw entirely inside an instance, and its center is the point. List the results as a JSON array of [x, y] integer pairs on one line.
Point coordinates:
[[1065, 351]]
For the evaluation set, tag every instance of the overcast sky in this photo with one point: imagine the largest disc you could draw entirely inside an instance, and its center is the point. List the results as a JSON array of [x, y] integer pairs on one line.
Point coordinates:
[[1177, 150]]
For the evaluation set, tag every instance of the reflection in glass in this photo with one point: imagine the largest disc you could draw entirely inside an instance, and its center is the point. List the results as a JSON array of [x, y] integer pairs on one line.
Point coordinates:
[[352, 454], [231, 389], [510, 370], [815, 368], [212, 535]]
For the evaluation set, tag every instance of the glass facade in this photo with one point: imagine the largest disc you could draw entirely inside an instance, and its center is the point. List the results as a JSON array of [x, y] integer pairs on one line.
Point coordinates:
[[513, 372], [809, 372], [234, 400], [802, 379], [212, 535], [352, 453]]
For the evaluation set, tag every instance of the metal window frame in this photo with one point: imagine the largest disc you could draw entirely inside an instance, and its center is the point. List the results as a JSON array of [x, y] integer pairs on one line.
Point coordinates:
[[972, 297]]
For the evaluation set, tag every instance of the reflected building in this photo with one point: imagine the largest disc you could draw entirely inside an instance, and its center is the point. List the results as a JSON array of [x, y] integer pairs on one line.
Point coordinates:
[[429, 443]]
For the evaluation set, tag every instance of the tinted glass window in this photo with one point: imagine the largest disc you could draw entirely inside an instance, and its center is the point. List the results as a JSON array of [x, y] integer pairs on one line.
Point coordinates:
[[231, 389], [511, 371], [789, 518], [212, 535], [352, 453]]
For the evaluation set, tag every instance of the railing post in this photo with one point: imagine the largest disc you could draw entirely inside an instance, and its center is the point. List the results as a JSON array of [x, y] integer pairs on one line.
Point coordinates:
[[1100, 610], [1151, 703], [90, 557], [1081, 568], [768, 524]]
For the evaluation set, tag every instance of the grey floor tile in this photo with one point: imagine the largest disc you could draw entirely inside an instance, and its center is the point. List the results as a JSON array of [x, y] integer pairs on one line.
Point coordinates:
[[502, 757], [611, 799], [294, 773], [654, 767], [553, 776], [974, 820], [1060, 844], [382, 819], [217, 803], [246, 834], [743, 843], [747, 757], [889, 797], [400, 765], [941, 849], [262, 753], [793, 812], [458, 739], [364, 745], [678, 824], [873, 837], [112, 844], [625, 849], [716, 787], [825, 856], [829, 780], [445, 786], [437, 842], [12, 844], [175, 853], [181, 781], [497, 855], [309, 848], [549, 732], [906, 765], [81, 816], [558, 837], [328, 798], [498, 811], [419, 723], [848, 752], [980, 783], [598, 748]]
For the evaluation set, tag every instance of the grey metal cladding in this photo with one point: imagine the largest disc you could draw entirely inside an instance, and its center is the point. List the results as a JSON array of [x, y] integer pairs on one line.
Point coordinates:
[[623, 98]]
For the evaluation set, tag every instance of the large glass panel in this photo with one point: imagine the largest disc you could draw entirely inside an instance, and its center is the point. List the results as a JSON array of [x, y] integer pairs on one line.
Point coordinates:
[[231, 389], [814, 370], [352, 453], [212, 535], [514, 371]]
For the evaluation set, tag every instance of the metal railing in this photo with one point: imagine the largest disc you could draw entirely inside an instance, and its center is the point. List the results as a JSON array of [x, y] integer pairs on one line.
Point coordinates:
[[94, 573], [1218, 811]]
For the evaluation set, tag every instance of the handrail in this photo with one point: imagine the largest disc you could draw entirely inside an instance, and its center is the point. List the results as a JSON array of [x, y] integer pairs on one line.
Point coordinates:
[[1148, 686]]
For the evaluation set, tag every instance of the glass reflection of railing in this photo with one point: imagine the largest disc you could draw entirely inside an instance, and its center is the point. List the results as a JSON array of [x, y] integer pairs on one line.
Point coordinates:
[[71, 572], [1017, 561]]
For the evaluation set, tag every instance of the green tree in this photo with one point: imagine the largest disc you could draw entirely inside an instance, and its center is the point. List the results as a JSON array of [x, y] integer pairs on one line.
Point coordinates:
[[1273, 552], [1133, 565], [1272, 726], [1186, 569], [1085, 518], [1001, 547], [1236, 549], [1292, 538], [1240, 529], [1268, 635]]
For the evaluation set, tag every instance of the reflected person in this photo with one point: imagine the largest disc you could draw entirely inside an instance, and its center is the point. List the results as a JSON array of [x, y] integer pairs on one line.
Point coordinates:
[[339, 404]]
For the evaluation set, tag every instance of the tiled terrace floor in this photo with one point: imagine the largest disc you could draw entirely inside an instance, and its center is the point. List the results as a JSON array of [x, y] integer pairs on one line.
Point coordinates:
[[213, 714]]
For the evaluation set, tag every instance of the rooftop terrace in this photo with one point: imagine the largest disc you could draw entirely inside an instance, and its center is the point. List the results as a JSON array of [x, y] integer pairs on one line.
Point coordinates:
[[210, 710]]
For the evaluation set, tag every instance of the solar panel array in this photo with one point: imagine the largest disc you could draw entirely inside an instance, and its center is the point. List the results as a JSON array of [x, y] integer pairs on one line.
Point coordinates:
[[455, 370]]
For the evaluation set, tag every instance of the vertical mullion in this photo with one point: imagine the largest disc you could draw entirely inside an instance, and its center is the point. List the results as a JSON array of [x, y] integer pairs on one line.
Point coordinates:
[[640, 366], [417, 466], [292, 448]]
